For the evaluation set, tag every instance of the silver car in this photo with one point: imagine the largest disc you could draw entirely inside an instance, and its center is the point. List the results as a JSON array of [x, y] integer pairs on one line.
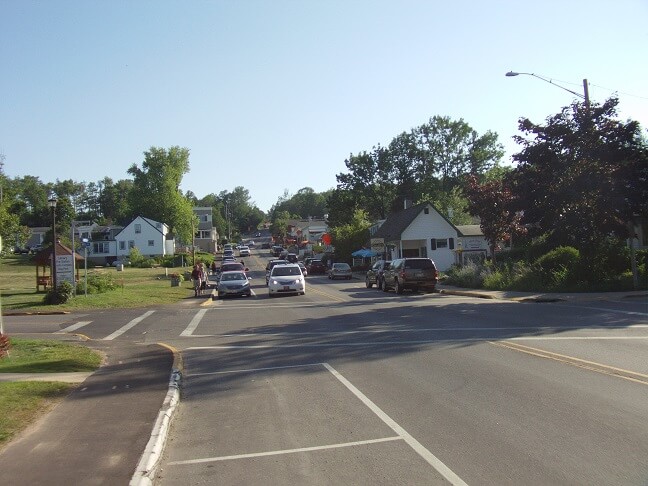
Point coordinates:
[[286, 279], [340, 270], [235, 283]]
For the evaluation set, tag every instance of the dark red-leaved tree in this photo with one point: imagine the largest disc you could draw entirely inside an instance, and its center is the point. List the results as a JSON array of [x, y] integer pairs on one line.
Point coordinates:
[[491, 202]]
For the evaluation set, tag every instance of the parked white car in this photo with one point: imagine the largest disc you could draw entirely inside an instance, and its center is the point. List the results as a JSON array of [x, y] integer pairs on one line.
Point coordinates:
[[286, 279], [244, 251]]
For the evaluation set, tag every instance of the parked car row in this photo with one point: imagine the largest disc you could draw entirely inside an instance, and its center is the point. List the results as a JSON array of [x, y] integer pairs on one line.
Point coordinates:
[[410, 273]]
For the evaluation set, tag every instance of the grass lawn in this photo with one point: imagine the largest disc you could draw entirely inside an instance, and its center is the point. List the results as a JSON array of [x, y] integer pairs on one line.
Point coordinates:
[[21, 403], [136, 287]]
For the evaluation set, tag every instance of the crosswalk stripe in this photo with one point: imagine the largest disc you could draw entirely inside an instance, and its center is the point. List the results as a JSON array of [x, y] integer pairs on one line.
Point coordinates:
[[125, 328]]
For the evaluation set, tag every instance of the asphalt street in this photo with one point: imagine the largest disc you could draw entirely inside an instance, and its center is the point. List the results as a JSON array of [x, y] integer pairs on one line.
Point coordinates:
[[352, 385]]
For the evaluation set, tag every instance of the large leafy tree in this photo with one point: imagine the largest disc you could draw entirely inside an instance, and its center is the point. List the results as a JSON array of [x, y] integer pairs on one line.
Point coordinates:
[[12, 233], [583, 175], [306, 202], [492, 202], [156, 189], [427, 163], [114, 200], [370, 179], [351, 236]]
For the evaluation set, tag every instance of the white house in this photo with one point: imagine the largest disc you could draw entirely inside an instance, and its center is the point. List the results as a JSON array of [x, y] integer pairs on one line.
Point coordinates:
[[150, 237], [422, 231]]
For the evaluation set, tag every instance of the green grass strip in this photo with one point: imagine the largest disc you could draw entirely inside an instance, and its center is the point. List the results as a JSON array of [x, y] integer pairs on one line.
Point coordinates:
[[40, 356], [21, 403]]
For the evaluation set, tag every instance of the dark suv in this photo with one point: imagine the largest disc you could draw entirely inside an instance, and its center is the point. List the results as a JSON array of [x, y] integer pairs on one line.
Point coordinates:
[[375, 273], [410, 273]]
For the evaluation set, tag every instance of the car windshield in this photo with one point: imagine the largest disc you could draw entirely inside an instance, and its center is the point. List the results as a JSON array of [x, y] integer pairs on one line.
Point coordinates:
[[423, 263], [228, 277], [283, 271], [231, 266], [341, 266]]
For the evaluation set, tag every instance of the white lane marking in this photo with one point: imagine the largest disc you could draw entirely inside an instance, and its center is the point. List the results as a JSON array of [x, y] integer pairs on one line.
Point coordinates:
[[431, 459], [285, 451], [254, 370], [194, 323], [422, 341], [575, 338], [125, 328], [603, 309], [387, 329], [73, 327]]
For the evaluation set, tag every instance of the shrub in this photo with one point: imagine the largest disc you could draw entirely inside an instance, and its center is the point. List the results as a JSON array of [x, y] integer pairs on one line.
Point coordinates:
[[98, 283], [60, 295], [470, 275], [563, 257], [146, 263], [135, 256]]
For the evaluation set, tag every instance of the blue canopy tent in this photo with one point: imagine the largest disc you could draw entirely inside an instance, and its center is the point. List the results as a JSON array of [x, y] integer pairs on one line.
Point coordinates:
[[364, 253]]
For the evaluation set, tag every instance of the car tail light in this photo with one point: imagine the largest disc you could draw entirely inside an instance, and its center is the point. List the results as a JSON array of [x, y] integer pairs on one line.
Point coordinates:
[[402, 274]]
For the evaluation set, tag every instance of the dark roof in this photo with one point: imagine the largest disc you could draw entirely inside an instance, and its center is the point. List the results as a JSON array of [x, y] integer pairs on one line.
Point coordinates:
[[44, 256], [397, 223]]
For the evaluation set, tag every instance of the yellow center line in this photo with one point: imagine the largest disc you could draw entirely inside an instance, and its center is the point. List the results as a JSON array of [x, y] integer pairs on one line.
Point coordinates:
[[311, 288], [573, 361]]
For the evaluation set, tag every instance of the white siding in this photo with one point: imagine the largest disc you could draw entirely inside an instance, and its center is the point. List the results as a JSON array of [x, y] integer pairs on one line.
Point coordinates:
[[141, 240], [428, 226]]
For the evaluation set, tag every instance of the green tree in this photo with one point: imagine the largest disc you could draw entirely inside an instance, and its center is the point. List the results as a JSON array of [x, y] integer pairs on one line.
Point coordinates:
[[156, 190], [114, 201], [448, 150], [583, 175], [350, 237], [370, 180]]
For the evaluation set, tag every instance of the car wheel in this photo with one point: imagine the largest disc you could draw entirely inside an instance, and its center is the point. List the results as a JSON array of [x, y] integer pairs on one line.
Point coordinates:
[[384, 285], [368, 284], [398, 287], [415, 290]]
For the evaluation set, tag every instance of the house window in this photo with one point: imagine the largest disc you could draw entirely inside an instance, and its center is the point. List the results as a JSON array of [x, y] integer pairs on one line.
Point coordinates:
[[437, 243], [151, 242], [138, 228], [100, 247], [205, 235], [426, 210], [423, 252], [122, 245], [131, 244], [451, 243], [205, 218]]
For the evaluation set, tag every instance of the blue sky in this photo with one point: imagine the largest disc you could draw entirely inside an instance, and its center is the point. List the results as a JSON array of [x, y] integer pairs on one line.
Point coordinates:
[[274, 95]]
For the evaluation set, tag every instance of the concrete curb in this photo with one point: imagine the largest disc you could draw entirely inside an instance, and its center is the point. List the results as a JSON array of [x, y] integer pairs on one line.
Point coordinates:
[[147, 467]]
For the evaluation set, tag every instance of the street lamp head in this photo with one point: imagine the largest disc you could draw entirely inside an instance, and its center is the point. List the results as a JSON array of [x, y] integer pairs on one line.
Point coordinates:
[[51, 202], [512, 73]]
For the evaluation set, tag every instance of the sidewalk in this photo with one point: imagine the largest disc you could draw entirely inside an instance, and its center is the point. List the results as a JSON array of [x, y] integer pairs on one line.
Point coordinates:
[[97, 434]]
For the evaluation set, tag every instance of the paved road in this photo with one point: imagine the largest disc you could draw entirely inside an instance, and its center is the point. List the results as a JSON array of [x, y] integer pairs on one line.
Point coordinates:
[[352, 385]]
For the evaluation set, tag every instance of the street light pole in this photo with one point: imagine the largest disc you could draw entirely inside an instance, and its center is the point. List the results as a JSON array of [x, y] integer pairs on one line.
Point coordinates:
[[582, 96], [52, 204]]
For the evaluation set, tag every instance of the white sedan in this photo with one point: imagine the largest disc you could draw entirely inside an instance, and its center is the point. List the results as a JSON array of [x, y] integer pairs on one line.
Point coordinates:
[[286, 279]]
